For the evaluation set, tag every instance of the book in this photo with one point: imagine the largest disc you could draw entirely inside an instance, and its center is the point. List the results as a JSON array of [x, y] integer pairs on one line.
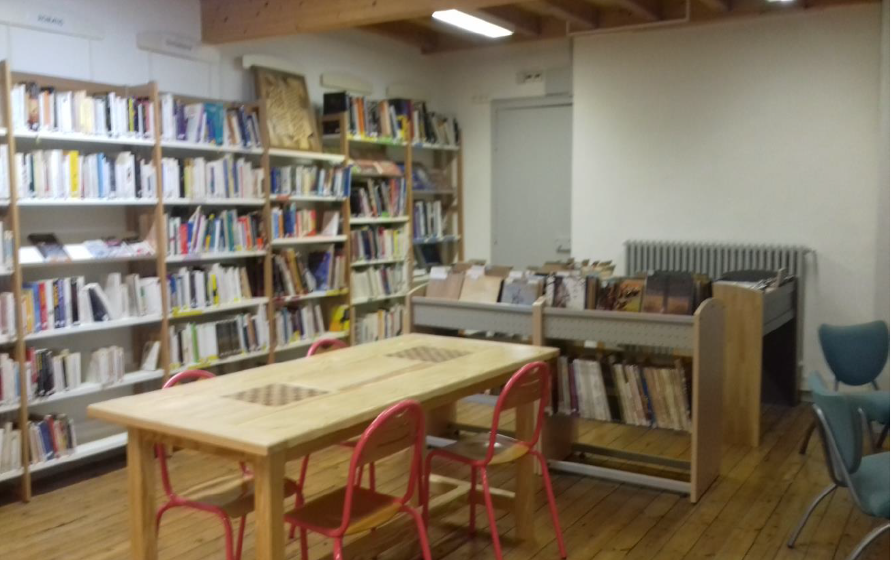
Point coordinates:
[[150, 355], [50, 247], [444, 283], [521, 291], [480, 287]]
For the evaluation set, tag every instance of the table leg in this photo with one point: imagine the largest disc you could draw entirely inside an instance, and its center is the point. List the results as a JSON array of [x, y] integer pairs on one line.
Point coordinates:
[[269, 493], [523, 482], [141, 487]]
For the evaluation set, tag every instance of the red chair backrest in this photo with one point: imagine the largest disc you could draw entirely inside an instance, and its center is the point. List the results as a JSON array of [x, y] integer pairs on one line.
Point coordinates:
[[529, 384], [399, 427], [325, 345], [160, 453]]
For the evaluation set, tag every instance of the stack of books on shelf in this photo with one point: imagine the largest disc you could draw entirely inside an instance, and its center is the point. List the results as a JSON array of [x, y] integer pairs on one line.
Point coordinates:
[[380, 198], [381, 324], [298, 324], [291, 221], [10, 448], [7, 316], [382, 119], [294, 276], [198, 178], [210, 123], [431, 127], [309, 180], [215, 232], [37, 108], [4, 172], [627, 392], [50, 371], [430, 180], [378, 244], [47, 249], [428, 220], [6, 249], [52, 436], [70, 175], [378, 282], [195, 344], [214, 285], [59, 303], [10, 390]]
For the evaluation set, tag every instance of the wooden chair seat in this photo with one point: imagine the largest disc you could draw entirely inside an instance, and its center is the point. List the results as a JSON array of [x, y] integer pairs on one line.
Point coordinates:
[[324, 514], [473, 449], [233, 494]]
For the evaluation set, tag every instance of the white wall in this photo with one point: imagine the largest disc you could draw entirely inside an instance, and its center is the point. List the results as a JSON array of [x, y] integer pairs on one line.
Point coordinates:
[[475, 79], [761, 131]]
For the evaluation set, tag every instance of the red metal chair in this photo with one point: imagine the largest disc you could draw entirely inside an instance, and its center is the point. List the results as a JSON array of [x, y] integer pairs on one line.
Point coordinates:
[[353, 509], [226, 497], [529, 384]]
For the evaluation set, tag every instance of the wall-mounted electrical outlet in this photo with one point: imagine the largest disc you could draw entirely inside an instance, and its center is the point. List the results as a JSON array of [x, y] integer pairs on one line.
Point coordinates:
[[530, 76]]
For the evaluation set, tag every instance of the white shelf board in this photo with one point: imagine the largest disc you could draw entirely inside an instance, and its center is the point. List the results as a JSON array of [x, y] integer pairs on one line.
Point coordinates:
[[82, 138], [306, 198], [373, 262], [90, 388], [220, 362], [207, 257], [254, 202], [378, 220], [311, 296], [314, 240], [4, 272], [372, 140], [420, 194], [85, 450], [208, 148], [105, 260], [9, 407], [435, 240], [85, 202], [306, 155], [6, 340], [362, 301], [10, 475], [95, 326], [306, 343], [434, 146], [197, 312]]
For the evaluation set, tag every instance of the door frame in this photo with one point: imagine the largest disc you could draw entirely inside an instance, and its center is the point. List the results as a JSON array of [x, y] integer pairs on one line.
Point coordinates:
[[519, 104]]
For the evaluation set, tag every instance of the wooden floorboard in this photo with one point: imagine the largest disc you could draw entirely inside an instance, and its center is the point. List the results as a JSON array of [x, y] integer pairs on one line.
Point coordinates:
[[747, 513]]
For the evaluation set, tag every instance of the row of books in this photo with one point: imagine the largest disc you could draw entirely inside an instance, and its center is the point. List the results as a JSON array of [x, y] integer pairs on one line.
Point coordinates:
[[4, 172], [380, 324], [61, 175], [10, 390], [381, 243], [378, 282], [52, 436], [47, 248], [293, 221], [310, 180], [194, 344], [208, 286], [46, 108], [631, 393], [7, 316], [199, 178], [10, 448], [205, 122], [49, 372], [298, 324], [386, 119], [427, 221], [380, 198], [6, 249], [293, 275], [216, 232], [431, 127]]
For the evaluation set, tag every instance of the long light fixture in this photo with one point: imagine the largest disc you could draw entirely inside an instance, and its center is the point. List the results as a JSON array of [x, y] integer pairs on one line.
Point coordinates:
[[471, 23]]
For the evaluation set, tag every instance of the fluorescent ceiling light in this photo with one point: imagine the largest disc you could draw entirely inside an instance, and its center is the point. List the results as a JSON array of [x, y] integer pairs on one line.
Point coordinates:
[[470, 23]]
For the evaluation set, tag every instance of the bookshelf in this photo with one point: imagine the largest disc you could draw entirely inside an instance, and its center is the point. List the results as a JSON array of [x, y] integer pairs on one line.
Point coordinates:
[[143, 216], [699, 337]]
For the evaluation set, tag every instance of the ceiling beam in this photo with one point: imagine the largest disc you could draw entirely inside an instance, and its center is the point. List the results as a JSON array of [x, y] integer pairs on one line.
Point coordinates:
[[225, 21], [579, 13], [717, 5], [642, 9], [409, 33], [520, 22]]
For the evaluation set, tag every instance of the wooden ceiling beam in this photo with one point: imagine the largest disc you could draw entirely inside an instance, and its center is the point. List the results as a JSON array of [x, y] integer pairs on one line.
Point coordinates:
[[224, 21], [579, 13], [522, 23], [642, 9]]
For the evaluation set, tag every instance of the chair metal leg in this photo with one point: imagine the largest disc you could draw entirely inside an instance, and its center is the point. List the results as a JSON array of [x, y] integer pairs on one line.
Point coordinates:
[[807, 438], [814, 504], [303, 474], [425, 502], [491, 514], [338, 549], [372, 476], [304, 547], [161, 511], [865, 542], [227, 533], [422, 532], [882, 438], [472, 501], [241, 538], [552, 505]]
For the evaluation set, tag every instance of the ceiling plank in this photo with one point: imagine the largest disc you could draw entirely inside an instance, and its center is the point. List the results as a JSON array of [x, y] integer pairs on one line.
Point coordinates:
[[409, 33], [579, 13], [225, 21], [642, 9], [522, 23]]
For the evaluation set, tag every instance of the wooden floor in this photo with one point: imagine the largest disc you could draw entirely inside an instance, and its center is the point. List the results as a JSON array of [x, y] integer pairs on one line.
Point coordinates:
[[747, 513]]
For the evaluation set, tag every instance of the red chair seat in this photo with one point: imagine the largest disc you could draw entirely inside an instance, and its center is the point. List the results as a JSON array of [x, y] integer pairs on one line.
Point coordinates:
[[323, 514], [473, 449], [233, 494]]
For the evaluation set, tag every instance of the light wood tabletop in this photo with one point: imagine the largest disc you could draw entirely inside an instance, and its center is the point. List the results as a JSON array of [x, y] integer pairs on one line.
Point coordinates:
[[274, 413]]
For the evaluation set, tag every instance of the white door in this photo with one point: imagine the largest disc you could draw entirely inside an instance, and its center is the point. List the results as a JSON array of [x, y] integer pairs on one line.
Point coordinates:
[[531, 181]]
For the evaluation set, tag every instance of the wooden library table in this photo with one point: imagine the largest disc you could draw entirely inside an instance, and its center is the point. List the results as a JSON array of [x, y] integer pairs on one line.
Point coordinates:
[[271, 414]]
